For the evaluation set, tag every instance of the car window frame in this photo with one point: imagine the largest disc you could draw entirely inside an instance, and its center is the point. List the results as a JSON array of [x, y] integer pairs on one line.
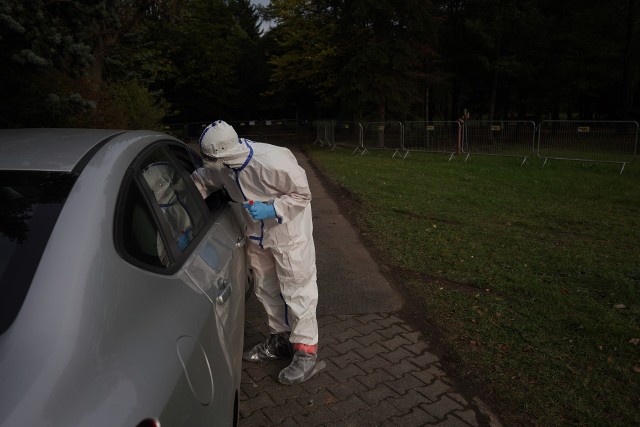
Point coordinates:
[[132, 177]]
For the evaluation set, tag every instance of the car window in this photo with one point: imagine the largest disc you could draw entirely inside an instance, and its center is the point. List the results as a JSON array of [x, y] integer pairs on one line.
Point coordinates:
[[191, 161], [30, 203], [139, 232], [162, 213]]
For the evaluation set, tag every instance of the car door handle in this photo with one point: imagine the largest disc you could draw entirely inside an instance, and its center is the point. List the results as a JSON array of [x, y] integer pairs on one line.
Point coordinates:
[[240, 241], [224, 291]]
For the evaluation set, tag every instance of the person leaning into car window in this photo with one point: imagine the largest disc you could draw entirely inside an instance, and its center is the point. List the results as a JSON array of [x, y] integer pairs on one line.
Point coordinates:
[[160, 176], [274, 191]]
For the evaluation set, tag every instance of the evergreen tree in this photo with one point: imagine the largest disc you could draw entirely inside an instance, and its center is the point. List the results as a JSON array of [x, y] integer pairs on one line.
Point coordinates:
[[54, 55], [43, 48]]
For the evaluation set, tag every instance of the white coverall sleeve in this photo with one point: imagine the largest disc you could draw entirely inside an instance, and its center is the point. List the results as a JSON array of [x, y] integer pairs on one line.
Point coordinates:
[[205, 182], [295, 195]]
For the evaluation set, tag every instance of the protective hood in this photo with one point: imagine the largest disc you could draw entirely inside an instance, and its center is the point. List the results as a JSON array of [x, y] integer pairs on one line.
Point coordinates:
[[220, 141]]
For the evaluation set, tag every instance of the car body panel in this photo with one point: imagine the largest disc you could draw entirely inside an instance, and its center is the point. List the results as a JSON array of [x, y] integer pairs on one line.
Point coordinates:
[[32, 154], [140, 345]]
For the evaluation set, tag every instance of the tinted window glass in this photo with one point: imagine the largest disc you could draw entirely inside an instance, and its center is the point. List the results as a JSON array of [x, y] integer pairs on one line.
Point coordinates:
[[191, 161], [185, 157], [140, 235], [30, 203], [157, 233]]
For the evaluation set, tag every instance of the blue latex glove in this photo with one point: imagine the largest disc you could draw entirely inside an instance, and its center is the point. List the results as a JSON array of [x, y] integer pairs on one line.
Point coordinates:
[[184, 239], [260, 211]]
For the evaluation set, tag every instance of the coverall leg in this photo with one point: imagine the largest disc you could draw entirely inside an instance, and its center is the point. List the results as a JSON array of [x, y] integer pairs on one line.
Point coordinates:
[[283, 275], [267, 287]]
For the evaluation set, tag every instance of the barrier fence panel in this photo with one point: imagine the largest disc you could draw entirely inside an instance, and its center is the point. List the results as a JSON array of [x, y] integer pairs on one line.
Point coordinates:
[[348, 134], [588, 141], [193, 130], [256, 130], [382, 135], [433, 137], [324, 132], [249, 129], [500, 138], [329, 132], [272, 130], [175, 129]]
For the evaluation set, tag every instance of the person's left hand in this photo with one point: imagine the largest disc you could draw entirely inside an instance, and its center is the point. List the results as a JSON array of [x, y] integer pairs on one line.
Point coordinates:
[[260, 210]]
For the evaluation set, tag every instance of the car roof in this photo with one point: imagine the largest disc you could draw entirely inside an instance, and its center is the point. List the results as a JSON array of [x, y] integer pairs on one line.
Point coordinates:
[[58, 150]]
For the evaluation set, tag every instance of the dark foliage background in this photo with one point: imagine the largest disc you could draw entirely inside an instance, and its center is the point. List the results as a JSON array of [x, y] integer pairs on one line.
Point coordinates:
[[139, 63]]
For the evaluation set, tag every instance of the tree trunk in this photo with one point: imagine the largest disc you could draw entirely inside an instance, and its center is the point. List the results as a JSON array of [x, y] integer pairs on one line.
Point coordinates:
[[380, 130], [630, 60]]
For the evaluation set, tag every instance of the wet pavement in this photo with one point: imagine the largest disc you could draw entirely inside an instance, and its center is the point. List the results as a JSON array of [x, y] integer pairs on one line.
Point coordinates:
[[381, 370]]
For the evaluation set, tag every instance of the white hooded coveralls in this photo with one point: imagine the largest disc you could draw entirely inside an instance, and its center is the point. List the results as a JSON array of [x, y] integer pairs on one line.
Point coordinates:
[[281, 251]]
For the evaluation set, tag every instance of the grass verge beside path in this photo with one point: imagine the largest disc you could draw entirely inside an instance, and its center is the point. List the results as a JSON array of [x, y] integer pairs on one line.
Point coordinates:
[[531, 274]]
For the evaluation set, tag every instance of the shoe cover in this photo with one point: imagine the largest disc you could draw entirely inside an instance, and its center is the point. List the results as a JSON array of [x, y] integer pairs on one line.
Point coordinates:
[[277, 346], [300, 369]]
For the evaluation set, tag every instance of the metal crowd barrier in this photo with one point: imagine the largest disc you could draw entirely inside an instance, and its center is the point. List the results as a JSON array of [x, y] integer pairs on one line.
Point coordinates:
[[500, 138], [433, 137], [382, 135], [324, 132], [588, 141], [348, 134]]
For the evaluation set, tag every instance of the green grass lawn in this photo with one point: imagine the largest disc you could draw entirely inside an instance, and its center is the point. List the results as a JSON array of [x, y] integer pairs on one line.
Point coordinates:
[[531, 274]]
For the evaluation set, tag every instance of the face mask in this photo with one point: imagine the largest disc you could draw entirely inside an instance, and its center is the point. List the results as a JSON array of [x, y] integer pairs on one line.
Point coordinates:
[[213, 165], [235, 162]]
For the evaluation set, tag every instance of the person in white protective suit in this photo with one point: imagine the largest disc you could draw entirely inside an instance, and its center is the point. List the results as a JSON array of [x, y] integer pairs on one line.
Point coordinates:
[[274, 191], [160, 178]]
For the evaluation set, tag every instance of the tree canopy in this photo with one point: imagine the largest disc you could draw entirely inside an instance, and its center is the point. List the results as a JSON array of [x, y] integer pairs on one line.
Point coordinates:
[[137, 63]]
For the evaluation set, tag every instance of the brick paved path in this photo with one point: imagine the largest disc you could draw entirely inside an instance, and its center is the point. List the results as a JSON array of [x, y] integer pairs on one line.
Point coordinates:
[[379, 372]]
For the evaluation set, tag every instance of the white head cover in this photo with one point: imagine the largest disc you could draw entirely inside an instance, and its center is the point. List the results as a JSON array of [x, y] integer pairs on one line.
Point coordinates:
[[220, 141], [159, 176]]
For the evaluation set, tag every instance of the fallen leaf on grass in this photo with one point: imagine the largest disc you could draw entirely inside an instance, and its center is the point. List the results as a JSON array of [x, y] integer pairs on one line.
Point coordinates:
[[620, 306]]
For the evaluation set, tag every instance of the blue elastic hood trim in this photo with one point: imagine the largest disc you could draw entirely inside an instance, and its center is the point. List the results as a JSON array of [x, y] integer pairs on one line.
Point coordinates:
[[204, 132], [249, 157]]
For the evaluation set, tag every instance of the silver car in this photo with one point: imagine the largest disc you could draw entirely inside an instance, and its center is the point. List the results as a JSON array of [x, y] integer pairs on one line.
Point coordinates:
[[122, 291]]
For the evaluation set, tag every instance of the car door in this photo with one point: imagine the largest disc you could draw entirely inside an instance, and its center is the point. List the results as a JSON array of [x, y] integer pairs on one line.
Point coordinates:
[[174, 235], [218, 266]]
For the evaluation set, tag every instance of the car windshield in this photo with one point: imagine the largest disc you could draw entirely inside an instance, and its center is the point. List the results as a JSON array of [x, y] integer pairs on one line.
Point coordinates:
[[29, 206]]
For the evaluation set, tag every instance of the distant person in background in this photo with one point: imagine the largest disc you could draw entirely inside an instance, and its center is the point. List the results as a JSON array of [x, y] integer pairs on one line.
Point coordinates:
[[274, 191]]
